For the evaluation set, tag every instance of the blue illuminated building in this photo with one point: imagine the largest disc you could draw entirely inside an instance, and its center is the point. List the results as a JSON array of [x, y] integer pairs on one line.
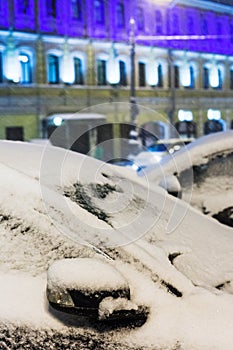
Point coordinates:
[[66, 55]]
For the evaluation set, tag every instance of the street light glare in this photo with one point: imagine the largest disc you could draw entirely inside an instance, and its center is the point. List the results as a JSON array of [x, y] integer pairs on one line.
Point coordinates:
[[132, 21], [170, 3]]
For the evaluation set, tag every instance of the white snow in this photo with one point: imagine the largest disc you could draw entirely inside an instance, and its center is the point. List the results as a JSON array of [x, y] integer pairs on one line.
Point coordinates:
[[170, 183], [84, 274], [177, 262], [108, 305]]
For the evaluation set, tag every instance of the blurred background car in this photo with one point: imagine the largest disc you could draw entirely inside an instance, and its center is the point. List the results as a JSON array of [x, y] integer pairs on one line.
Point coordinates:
[[204, 170]]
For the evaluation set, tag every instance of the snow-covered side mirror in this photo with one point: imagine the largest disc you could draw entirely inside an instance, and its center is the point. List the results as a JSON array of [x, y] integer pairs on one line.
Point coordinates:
[[172, 185], [92, 288]]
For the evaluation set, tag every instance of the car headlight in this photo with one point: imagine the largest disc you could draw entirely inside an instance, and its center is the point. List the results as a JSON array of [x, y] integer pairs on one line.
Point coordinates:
[[61, 298]]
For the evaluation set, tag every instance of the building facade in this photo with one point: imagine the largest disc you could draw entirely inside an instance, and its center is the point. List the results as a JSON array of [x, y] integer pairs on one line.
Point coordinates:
[[72, 55]]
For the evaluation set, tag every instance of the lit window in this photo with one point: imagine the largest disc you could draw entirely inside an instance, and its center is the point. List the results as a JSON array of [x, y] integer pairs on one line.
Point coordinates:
[[78, 71], [23, 6], [215, 77], [120, 14], [187, 76], [99, 12], [101, 72], [214, 114], [185, 115], [140, 19], [51, 8], [76, 9], [53, 69], [26, 74]]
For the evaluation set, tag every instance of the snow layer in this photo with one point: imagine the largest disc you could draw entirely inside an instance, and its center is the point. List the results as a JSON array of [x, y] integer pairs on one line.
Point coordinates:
[[177, 262], [84, 274]]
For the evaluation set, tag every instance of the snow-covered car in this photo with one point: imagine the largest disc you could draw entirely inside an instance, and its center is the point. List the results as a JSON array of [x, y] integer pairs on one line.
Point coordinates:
[[204, 170], [57, 206], [89, 287]]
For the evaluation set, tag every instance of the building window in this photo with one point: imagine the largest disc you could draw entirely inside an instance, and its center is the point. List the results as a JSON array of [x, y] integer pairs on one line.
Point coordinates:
[[176, 77], [101, 72], [192, 78], [219, 31], [26, 74], [1, 68], [123, 77], [142, 74], [190, 25], [205, 78], [51, 8], [140, 19], [158, 22], [14, 133], [76, 8], [53, 69], [78, 71], [120, 15], [231, 32], [175, 24], [188, 79], [204, 25], [23, 6], [160, 76], [231, 79], [99, 12], [220, 80]]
